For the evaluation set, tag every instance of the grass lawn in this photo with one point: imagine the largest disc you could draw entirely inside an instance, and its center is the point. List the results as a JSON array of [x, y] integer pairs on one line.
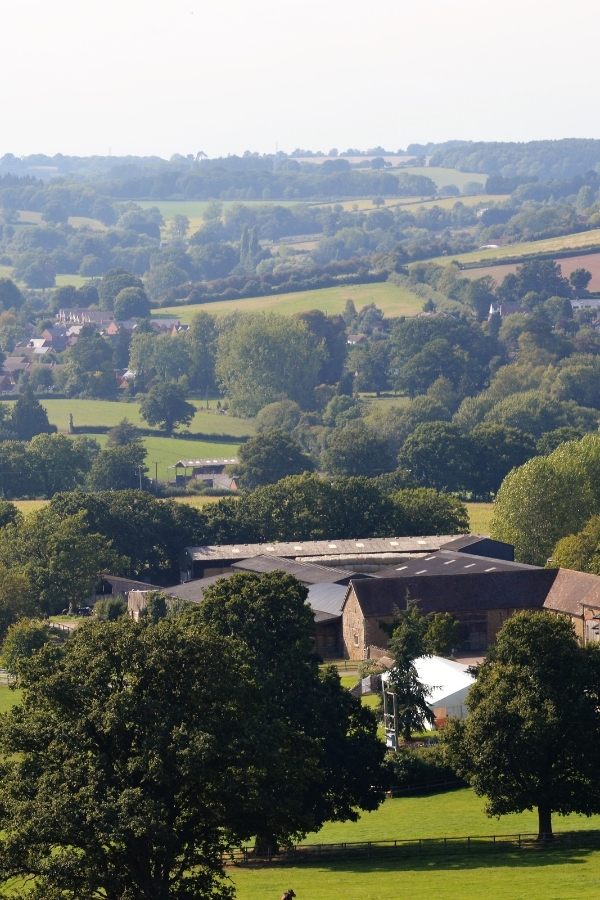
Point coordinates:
[[548, 875], [453, 814], [75, 280], [166, 451], [8, 697], [480, 517], [555, 874], [110, 412], [385, 402], [548, 245], [392, 299]]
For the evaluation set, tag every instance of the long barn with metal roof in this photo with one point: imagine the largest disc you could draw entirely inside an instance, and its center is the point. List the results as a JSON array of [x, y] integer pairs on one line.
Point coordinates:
[[366, 554]]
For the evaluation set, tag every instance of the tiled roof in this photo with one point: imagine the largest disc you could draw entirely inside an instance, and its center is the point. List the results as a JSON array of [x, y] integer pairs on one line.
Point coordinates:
[[571, 590]]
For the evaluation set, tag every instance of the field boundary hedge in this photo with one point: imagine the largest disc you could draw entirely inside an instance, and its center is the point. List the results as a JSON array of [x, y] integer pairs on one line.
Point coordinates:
[[488, 262], [150, 432]]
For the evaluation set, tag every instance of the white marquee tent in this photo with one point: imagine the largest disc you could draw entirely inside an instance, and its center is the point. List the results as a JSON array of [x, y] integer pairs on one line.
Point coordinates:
[[447, 683]]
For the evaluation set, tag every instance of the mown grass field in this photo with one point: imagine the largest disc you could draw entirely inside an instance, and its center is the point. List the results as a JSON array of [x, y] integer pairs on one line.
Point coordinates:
[[75, 280], [111, 412], [164, 452], [551, 874], [536, 875], [8, 697], [393, 300], [548, 245], [480, 517]]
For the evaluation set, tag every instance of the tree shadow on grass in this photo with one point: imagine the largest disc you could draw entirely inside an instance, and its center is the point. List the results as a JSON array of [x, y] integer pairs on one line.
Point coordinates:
[[530, 856]]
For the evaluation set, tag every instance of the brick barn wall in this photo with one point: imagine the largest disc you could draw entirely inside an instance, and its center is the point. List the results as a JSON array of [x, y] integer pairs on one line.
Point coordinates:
[[353, 628]]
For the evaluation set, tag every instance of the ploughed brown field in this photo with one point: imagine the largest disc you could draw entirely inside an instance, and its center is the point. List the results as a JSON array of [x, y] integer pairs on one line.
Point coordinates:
[[567, 265]]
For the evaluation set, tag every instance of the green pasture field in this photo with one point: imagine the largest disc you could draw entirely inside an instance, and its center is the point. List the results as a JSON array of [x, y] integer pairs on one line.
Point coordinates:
[[576, 241], [447, 202], [555, 874], [8, 697], [386, 402], [441, 175], [392, 299], [164, 452], [75, 280], [452, 814], [111, 412], [72, 278], [480, 517]]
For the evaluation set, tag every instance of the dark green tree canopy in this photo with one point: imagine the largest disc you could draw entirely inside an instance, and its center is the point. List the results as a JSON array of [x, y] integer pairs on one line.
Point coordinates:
[[319, 755], [10, 295], [268, 457], [30, 418], [265, 357], [165, 405], [134, 793], [131, 303]]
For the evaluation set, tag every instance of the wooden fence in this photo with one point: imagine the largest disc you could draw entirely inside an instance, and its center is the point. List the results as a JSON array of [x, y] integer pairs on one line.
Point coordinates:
[[411, 847]]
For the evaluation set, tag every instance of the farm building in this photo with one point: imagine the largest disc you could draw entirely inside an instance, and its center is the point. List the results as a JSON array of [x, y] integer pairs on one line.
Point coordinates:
[[480, 592], [362, 554], [447, 686], [211, 472]]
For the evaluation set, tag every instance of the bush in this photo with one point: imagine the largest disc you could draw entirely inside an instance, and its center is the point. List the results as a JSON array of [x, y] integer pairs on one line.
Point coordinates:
[[110, 609], [421, 770]]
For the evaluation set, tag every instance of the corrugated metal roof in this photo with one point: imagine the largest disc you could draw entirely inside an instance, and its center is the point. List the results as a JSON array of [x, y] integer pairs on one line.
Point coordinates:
[[307, 573], [194, 590], [479, 545], [447, 562], [190, 463], [335, 547], [327, 598]]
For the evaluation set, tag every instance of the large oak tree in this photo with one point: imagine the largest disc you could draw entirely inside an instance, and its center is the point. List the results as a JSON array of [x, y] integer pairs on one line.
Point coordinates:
[[532, 736]]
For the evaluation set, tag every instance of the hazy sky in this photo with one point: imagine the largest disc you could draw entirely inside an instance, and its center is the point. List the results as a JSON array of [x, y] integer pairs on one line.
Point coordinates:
[[156, 77]]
